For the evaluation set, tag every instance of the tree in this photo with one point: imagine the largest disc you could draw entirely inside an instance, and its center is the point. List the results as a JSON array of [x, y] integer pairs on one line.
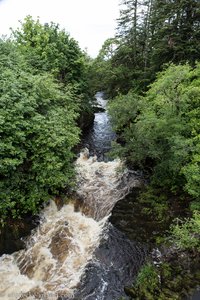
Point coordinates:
[[49, 49], [38, 132], [150, 34], [176, 32], [162, 130], [134, 35]]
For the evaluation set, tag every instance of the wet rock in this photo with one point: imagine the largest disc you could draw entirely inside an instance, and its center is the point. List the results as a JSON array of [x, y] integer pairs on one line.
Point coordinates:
[[60, 242], [14, 232]]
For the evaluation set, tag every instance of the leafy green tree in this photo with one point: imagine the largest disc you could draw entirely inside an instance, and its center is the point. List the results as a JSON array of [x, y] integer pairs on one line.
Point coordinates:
[[38, 132], [47, 48], [101, 72], [162, 130]]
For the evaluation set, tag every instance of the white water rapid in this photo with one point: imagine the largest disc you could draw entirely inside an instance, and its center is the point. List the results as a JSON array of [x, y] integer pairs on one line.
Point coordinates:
[[54, 259], [102, 184], [58, 252]]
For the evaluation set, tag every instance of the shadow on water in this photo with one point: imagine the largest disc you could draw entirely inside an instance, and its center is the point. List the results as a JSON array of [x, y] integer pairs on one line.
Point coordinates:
[[115, 264], [130, 216]]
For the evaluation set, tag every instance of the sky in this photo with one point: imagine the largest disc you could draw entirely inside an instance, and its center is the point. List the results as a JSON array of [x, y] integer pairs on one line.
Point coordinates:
[[90, 22]]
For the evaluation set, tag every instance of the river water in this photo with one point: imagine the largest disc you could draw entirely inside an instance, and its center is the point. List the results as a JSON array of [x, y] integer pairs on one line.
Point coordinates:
[[76, 253]]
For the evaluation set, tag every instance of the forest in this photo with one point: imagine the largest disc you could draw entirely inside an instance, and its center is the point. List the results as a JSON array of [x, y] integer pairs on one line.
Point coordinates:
[[150, 72]]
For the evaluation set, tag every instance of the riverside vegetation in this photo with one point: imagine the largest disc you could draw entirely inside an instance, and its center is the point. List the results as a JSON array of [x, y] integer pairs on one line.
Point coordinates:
[[150, 71], [44, 98]]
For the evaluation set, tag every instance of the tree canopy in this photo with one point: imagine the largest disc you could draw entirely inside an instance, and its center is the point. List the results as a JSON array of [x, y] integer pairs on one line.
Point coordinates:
[[149, 34], [43, 94], [161, 129]]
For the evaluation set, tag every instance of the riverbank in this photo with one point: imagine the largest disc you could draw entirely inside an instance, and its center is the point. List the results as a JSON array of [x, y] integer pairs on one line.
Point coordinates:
[[169, 272]]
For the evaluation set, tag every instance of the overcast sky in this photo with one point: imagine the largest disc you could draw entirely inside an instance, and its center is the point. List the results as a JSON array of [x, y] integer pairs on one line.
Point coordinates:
[[90, 22]]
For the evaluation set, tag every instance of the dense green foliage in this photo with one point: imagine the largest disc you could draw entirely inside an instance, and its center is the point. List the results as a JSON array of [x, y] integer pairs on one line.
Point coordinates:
[[152, 77], [156, 117], [47, 48], [38, 132], [42, 91], [161, 129], [186, 234], [176, 27]]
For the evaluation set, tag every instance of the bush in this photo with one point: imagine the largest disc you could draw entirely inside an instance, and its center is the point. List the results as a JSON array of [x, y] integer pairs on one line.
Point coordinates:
[[186, 234]]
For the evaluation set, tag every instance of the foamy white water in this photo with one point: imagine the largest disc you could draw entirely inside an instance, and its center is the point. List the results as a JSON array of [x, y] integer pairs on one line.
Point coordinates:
[[55, 257], [59, 250], [102, 184]]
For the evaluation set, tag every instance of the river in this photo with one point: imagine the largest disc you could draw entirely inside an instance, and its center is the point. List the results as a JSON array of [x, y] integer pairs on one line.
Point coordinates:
[[83, 251], [75, 252]]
